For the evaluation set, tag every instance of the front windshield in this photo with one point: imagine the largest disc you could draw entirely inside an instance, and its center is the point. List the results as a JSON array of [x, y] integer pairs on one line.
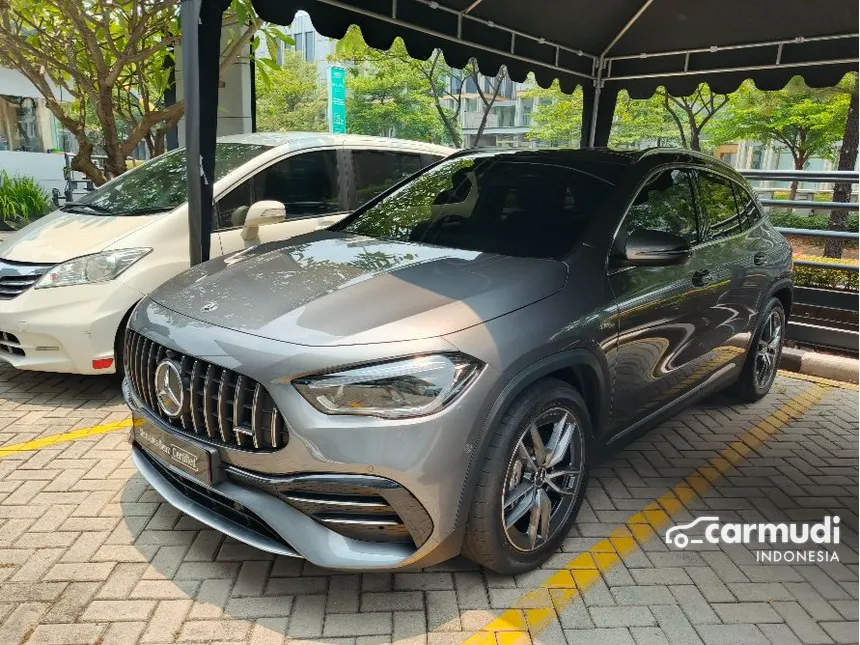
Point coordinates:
[[521, 206], [160, 184]]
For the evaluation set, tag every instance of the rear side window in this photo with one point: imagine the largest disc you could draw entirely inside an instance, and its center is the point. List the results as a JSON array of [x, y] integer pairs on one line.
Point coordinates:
[[377, 170], [665, 204], [718, 207], [307, 184], [748, 209]]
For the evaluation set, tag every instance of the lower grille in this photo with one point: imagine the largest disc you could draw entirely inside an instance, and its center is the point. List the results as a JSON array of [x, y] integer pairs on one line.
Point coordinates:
[[215, 502], [17, 277], [361, 507], [9, 344], [223, 407]]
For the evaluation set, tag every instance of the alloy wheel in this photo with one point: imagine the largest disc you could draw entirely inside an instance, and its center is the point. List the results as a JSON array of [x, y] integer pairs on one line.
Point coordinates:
[[543, 477], [769, 346]]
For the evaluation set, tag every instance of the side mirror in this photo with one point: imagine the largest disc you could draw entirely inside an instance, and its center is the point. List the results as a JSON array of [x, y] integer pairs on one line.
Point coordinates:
[[260, 214], [656, 248]]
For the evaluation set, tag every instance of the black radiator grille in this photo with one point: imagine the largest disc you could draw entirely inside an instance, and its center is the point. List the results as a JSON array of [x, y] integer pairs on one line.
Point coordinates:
[[224, 407]]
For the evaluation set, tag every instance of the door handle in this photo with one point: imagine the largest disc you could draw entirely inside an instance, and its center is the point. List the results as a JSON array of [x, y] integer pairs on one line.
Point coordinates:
[[701, 277], [759, 259]]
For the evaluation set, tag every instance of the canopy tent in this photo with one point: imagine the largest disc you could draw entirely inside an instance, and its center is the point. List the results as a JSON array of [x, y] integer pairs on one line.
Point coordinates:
[[605, 46]]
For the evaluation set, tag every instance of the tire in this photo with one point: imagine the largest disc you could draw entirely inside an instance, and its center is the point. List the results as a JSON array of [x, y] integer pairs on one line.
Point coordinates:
[[504, 470], [751, 386]]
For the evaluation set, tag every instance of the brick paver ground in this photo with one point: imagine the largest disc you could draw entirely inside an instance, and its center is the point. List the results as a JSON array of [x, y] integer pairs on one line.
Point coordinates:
[[90, 554]]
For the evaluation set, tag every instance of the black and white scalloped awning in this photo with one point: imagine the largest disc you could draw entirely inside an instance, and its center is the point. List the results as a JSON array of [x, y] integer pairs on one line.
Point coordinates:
[[636, 45]]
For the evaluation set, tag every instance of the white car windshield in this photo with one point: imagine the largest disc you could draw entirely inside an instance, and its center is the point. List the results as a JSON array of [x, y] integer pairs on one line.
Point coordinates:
[[160, 184]]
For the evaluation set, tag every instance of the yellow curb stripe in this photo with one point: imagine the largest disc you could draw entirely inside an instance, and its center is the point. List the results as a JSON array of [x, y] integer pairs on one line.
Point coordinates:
[[583, 571], [44, 442], [845, 385]]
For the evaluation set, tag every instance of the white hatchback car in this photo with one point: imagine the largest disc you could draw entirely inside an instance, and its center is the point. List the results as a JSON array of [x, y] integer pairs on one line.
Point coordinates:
[[69, 280]]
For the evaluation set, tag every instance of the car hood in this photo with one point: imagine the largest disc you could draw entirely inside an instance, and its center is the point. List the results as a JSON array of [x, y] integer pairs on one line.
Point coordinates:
[[61, 236], [355, 290]]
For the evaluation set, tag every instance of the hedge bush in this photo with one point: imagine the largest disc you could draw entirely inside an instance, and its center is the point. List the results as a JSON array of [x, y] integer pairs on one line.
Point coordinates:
[[22, 200], [787, 219], [825, 278]]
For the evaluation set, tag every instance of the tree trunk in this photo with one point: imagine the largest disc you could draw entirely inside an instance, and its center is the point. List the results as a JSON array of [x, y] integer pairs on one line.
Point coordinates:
[[695, 143], [799, 164], [449, 126], [842, 192], [83, 162]]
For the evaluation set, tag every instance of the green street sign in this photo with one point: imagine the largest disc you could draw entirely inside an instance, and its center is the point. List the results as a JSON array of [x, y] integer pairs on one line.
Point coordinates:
[[337, 100]]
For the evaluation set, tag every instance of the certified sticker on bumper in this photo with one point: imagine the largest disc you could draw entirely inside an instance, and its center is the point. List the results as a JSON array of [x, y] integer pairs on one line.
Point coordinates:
[[176, 451]]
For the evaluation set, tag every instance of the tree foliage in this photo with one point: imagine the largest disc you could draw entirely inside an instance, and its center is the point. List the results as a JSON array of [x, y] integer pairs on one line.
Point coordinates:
[[431, 77], [386, 95], [103, 67], [556, 116], [807, 122], [291, 97], [640, 120]]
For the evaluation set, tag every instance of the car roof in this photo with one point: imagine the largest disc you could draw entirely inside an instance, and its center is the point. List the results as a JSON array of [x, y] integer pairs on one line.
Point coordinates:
[[618, 159], [298, 140]]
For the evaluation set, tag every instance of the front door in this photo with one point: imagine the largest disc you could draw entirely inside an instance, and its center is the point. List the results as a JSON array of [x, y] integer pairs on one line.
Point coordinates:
[[308, 184], [666, 314]]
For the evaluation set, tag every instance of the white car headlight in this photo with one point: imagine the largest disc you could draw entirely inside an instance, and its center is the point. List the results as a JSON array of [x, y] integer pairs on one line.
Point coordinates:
[[89, 269], [396, 390]]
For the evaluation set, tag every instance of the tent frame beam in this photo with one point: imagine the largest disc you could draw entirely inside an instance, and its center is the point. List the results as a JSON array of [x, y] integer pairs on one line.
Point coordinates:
[[461, 16]]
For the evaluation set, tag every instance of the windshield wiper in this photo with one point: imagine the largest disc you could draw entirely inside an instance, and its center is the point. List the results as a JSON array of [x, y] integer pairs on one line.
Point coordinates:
[[148, 210], [84, 208]]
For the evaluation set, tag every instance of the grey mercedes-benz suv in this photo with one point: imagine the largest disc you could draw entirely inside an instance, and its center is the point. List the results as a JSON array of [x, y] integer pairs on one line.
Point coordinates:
[[435, 374]]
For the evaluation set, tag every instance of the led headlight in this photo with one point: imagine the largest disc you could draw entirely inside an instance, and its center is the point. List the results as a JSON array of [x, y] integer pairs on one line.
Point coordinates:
[[404, 388], [89, 269]]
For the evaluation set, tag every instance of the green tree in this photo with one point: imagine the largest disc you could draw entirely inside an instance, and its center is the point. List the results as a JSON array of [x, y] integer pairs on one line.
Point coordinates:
[[437, 76], [110, 57], [838, 220], [807, 122], [639, 120], [557, 117], [290, 97], [692, 113], [386, 94]]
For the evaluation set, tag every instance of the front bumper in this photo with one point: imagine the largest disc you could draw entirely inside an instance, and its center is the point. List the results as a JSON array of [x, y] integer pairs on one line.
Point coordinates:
[[290, 514], [65, 328]]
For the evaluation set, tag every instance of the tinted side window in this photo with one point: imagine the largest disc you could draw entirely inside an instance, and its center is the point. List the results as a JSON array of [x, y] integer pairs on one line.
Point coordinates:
[[376, 171], [747, 206], [307, 184], [718, 207], [231, 209], [665, 204]]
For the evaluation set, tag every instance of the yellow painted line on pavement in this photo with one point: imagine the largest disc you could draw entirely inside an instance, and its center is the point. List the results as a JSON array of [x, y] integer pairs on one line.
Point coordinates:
[[44, 442], [539, 608], [845, 385]]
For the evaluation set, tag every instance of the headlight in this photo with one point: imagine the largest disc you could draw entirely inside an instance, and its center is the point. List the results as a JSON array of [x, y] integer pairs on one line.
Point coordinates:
[[395, 390], [89, 269]]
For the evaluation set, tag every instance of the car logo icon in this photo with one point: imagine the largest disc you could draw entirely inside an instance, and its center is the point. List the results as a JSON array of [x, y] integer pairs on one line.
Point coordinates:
[[169, 388], [209, 306], [677, 537]]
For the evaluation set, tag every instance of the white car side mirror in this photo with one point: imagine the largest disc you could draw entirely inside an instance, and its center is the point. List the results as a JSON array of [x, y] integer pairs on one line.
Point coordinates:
[[260, 214]]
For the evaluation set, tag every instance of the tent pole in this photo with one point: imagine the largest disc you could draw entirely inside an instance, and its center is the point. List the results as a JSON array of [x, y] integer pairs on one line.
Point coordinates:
[[595, 102], [190, 17]]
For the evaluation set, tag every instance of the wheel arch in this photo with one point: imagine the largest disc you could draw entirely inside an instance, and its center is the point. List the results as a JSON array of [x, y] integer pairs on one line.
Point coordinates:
[[581, 368]]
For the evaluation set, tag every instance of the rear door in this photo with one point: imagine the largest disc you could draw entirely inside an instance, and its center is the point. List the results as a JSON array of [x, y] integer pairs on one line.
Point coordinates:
[[666, 314], [311, 187]]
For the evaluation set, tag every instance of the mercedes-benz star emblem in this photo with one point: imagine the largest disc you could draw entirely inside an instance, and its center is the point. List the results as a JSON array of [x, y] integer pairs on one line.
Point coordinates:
[[168, 387]]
